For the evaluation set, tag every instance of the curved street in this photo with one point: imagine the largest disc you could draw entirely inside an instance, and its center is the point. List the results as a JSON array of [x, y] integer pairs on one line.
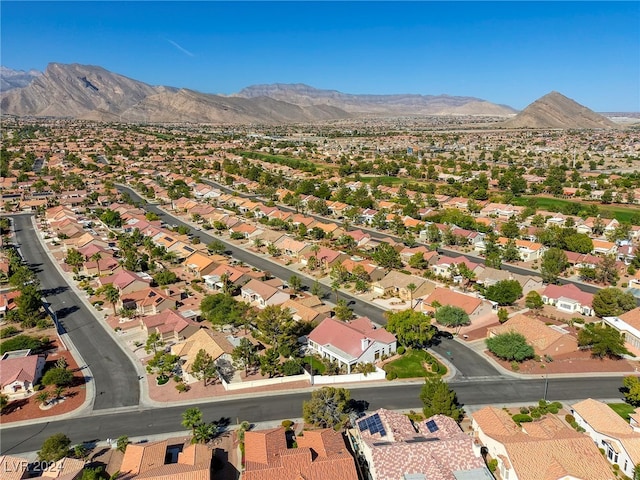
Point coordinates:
[[115, 377]]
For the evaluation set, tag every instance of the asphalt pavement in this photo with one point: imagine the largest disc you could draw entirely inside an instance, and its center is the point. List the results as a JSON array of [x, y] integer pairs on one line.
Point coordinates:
[[115, 377], [265, 407]]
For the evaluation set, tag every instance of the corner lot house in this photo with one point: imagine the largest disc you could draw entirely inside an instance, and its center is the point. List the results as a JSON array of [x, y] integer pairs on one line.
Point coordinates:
[[19, 371], [610, 432], [350, 343], [263, 294]]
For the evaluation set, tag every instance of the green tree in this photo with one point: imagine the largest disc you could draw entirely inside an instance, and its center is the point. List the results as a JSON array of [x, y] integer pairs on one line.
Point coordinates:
[[245, 355], [154, 343], [165, 277], [503, 315], [411, 328], [122, 442], [510, 252], [4, 401], [111, 218], [607, 270], [387, 257], [29, 301], [92, 473], [270, 362], [274, 323], [162, 364], [223, 309], [342, 311], [452, 316], [203, 366], [328, 408], [216, 247], [631, 389], [602, 340], [418, 261], [191, 418], [554, 262], [504, 292], [61, 377], [111, 294], [510, 346], [74, 258], [438, 398], [612, 301], [295, 283], [204, 432], [533, 300], [54, 448]]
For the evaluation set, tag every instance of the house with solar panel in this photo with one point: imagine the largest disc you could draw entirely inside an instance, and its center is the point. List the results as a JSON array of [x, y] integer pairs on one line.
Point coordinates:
[[390, 446]]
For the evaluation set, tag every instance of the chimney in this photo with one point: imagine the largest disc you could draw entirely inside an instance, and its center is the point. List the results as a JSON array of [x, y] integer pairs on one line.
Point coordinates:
[[364, 343]]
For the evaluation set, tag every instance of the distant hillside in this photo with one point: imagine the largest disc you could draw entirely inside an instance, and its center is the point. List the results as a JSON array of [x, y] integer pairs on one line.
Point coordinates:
[[401, 104], [10, 79], [90, 92], [554, 110]]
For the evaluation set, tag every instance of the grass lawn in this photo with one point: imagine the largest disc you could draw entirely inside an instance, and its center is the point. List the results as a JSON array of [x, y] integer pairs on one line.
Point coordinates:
[[622, 409], [318, 366], [622, 214], [410, 365]]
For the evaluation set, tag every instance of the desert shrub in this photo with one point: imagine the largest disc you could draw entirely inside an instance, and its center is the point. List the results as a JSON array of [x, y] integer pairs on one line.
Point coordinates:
[[391, 375], [9, 331], [521, 418], [569, 419], [524, 410]]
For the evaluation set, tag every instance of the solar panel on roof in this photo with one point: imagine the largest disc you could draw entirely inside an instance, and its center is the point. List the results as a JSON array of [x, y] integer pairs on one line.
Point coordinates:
[[432, 426]]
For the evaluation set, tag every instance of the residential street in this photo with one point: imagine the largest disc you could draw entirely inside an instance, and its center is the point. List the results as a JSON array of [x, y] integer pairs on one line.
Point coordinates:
[[115, 377], [134, 422]]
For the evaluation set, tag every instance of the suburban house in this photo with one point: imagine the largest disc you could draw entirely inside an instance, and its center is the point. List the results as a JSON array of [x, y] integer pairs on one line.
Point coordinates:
[[325, 257], [374, 272], [290, 247], [170, 325], [20, 371], [200, 264], [545, 339], [395, 448], [488, 276], [13, 468], [263, 294], [529, 251], [629, 325], [148, 460], [234, 277], [446, 266], [126, 281], [395, 284], [211, 341], [350, 343], [603, 247], [303, 313], [148, 301], [610, 432], [543, 449], [320, 454], [569, 299], [474, 307]]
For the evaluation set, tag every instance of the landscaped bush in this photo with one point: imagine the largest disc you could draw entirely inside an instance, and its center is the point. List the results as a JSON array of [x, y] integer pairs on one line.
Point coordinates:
[[401, 350], [522, 418], [23, 342], [569, 418], [287, 424], [182, 387], [510, 346], [391, 375], [524, 410], [8, 332], [492, 465]]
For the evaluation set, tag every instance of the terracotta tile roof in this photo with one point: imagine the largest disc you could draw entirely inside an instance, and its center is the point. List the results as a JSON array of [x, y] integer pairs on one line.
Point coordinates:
[[444, 296], [569, 291], [538, 335], [210, 341], [64, 469], [12, 468], [140, 458], [321, 455], [402, 450], [167, 321], [546, 449], [18, 369]]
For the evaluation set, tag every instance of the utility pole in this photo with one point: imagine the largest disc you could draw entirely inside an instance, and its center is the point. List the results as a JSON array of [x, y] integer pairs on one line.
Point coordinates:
[[546, 386]]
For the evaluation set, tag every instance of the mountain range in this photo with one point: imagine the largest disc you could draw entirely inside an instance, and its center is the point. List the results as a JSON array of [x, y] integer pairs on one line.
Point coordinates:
[[93, 93]]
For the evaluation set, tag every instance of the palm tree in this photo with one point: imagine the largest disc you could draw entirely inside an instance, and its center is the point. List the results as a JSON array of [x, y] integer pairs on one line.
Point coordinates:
[[335, 286], [58, 392], [191, 418], [43, 397], [96, 257], [111, 295], [203, 433], [412, 288]]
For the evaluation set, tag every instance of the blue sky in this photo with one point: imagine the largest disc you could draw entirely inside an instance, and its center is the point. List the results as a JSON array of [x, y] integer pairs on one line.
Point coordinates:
[[505, 52]]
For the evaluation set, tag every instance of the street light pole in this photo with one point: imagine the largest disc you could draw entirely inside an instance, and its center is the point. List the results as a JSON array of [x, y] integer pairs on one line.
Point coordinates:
[[546, 385]]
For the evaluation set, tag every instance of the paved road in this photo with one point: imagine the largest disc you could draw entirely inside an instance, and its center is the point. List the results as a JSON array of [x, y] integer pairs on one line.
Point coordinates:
[[115, 377], [467, 362], [447, 251], [265, 408]]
